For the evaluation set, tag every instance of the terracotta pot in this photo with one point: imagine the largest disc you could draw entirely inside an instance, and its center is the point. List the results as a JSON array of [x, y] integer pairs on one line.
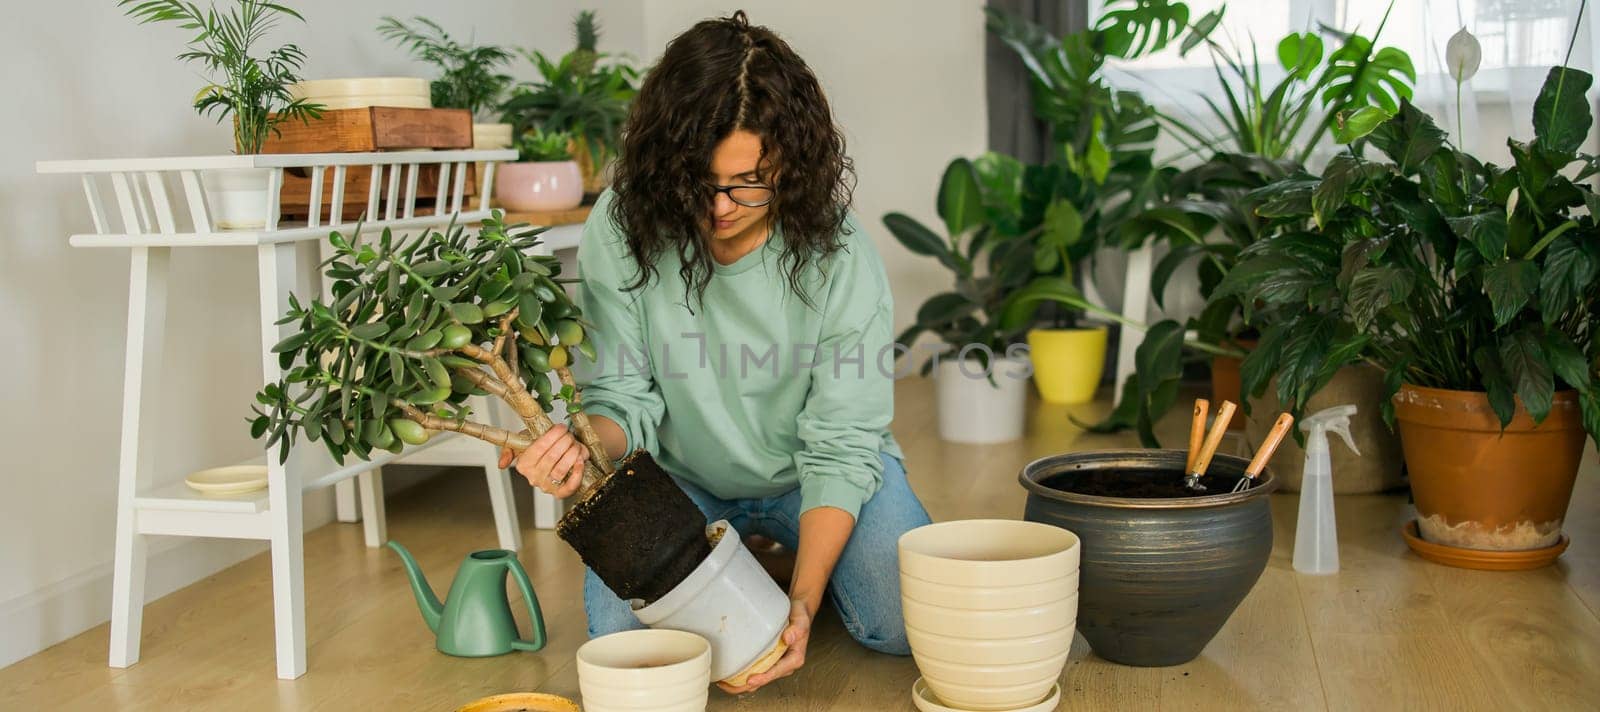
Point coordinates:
[[1225, 381], [539, 186], [990, 606], [1378, 467], [1159, 577], [1477, 487]]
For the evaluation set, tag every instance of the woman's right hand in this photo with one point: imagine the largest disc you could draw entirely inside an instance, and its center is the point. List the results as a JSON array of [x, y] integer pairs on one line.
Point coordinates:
[[553, 463]]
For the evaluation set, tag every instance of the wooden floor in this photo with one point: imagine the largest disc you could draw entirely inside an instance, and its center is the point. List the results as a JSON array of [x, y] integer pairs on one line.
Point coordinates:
[[1389, 632]]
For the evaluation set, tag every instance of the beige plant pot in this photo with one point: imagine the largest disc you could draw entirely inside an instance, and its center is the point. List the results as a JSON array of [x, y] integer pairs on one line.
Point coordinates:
[[990, 608], [645, 671], [489, 137], [1377, 469], [360, 92]]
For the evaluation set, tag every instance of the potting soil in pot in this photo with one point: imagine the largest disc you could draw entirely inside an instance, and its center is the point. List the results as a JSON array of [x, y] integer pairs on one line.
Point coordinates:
[[638, 531], [1140, 484]]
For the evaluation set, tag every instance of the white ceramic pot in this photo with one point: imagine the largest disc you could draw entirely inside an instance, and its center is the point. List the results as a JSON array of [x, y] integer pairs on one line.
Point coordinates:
[[971, 409], [539, 186], [489, 137], [729, 600], [990, 607], [237, 197], [356, 93], [645, 671]]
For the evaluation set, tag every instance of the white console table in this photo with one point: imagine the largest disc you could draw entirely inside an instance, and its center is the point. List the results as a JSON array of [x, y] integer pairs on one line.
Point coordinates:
[[150, 221]]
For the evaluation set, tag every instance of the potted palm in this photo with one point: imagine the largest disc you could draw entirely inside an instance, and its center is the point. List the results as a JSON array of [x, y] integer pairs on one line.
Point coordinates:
[[585, 93], [251, 88], [469, 75], [1473, 286], [544, 177]]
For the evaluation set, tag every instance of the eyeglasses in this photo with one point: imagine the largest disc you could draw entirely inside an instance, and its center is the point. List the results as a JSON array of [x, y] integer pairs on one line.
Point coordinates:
[[750, 196]]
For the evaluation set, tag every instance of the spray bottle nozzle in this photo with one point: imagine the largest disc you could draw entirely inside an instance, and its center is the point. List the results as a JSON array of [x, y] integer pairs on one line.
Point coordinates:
[[1336, 420]]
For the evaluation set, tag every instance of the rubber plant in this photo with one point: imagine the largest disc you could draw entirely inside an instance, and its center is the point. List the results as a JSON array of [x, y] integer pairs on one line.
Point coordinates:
[[1207, 218], [469, 76], [251, 88], [995, 211], [1438, 268], [417, 326]]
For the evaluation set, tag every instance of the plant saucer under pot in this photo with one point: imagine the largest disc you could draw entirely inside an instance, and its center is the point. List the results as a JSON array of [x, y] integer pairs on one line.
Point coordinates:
[[1159, 575]]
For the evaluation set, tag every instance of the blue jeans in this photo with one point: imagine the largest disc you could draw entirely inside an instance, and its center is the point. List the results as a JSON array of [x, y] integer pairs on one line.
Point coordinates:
[[865, 587]]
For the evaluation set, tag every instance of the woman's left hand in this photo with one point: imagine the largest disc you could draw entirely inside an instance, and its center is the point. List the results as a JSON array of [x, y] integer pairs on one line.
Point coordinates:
[[795, 636]]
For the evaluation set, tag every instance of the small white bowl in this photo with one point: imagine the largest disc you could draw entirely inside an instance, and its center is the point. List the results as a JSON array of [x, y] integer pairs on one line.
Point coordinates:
[[651, 669], [237, 479], [926, 701]]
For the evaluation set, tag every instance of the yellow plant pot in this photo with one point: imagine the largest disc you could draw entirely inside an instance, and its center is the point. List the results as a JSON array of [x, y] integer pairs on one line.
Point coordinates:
[[1067, 363]]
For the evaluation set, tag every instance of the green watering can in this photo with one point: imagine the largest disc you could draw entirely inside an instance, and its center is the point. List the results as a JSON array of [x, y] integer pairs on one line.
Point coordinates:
[[475, 619]]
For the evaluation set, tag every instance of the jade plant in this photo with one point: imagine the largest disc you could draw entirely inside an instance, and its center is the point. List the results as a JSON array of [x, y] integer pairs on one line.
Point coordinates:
[[415, 327], [1442, 270], [252, 88], [469, 76]]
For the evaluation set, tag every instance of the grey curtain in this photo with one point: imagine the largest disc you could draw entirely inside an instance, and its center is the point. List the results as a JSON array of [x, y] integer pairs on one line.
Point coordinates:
[[1013, 129]]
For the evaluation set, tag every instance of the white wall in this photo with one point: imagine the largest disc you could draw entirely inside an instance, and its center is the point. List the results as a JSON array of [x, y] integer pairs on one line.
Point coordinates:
[[87, 82], [906, 81]]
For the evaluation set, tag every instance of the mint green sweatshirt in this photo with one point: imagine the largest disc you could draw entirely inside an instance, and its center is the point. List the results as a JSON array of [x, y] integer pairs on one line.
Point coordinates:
[[752, 393]]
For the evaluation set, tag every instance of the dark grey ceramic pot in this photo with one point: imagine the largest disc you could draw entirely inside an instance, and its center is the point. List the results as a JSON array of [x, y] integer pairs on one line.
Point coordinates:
[[1159, 577]]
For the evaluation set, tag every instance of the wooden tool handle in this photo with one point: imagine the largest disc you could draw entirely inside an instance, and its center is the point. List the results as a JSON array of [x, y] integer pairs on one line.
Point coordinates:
[[1197, 431], [1269, 446], [1219, 428]]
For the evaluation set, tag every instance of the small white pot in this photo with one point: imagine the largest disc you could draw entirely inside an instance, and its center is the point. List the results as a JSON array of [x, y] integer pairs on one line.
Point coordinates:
[[729, 600], [539, 186], [237, 197], [489, 137], [640, 670], [971, 409], [990, 608]]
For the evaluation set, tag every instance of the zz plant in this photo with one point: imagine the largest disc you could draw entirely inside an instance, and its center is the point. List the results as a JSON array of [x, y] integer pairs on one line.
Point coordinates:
[[1440, 269], [417, 325]]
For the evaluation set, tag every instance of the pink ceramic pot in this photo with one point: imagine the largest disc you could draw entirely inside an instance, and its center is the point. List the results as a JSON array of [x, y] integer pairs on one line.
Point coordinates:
[[539, 186]]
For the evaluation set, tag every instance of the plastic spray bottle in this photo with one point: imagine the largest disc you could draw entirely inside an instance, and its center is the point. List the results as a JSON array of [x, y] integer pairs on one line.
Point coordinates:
[[1316, 543]]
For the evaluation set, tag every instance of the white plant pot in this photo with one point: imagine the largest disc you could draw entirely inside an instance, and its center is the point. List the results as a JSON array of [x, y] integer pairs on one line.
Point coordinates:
[[539, 186], [990, 609], [489, 137], [237, 197], [972, 410], [729, 600], [645, 670]]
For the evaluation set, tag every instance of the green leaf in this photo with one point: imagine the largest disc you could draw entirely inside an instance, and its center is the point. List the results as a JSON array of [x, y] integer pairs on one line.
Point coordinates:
[[1098, 157], [1063, 226], [1017, 310], [374, 330], [432, 268], [1522, 355], [1567, 361], [941, 309], [1570, 266], [1589, 402], [1299, 53], [920, 240], [1502, 399], [1486, 231], [467, 313], [1203, 27], [1145, 26], [258, 427], [1359, 124], [1374, 289], [1410, 138], [1509, 285], [960, 200], [437, 372], [1561, 115], [291, 343], [1342, 172]]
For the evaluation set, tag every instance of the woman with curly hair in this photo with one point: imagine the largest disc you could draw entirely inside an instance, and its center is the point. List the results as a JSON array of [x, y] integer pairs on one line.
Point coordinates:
[[743, 322]]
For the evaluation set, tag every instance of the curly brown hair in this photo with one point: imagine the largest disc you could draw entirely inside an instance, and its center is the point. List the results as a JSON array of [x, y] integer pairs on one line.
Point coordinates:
[[721, 75]]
